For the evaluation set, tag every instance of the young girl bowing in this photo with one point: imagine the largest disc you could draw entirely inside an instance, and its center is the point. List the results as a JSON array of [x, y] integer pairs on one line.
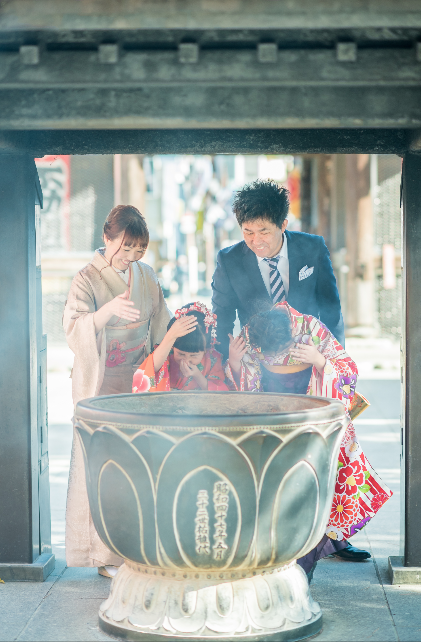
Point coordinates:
[[185, 360], [115, 312], [282, 351]]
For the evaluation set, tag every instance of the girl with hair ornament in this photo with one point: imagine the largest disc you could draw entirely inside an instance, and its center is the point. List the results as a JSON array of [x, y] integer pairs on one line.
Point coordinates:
[[282, 351], [186, 359]]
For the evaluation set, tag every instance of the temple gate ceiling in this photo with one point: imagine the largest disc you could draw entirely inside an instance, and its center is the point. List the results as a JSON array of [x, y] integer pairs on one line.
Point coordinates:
[[208, 75]]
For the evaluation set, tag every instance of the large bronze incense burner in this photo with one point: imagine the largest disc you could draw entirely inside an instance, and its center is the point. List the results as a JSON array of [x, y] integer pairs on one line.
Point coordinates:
[[210, 498]]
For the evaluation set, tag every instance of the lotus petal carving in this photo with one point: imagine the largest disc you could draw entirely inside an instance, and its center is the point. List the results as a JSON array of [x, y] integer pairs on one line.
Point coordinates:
[[207, 501]]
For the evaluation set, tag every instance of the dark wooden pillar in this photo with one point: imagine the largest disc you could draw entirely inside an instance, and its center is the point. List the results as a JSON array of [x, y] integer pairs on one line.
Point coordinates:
[[24, 552], [411, 450]]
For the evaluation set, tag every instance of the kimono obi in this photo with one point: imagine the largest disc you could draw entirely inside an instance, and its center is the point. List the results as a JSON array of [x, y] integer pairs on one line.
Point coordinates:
[[291, 379], [126, 344], [286, 368]]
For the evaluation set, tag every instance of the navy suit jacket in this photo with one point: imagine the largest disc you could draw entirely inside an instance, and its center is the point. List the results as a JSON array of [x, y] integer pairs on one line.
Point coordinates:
[[238, 286]]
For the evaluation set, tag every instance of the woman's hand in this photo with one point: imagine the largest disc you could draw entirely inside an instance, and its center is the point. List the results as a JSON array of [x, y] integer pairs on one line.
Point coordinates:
[[120, 306], [191, 370], [308, 354], [237, 351]]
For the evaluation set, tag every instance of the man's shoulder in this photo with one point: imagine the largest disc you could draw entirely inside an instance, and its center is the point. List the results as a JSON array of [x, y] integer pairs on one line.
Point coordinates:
[[304, 238], [232, 252]]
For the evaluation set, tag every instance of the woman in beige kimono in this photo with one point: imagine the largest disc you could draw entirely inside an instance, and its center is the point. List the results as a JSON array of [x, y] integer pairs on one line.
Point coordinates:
[[115, 313]]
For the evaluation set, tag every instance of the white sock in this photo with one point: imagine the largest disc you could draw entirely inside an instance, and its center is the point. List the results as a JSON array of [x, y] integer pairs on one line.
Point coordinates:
[[111, 570]]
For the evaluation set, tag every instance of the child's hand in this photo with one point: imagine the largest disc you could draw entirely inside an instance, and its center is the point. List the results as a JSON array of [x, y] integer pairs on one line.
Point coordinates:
[[182, 326], [237, 351], [191, 370], [308, 354], [188, 370]]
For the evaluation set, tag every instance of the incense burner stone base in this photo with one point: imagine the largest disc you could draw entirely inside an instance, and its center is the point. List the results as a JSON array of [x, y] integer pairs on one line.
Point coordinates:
[[146, 604]]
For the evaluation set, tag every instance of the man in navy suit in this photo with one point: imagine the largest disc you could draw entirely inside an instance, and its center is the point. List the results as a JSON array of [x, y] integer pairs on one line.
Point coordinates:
[[272, 264]]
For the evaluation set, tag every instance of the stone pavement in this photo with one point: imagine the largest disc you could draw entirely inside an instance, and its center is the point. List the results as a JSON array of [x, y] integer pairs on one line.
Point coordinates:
[[358, 602]]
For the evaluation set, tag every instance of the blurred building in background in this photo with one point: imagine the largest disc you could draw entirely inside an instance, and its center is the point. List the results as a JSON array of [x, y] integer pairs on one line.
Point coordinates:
[[352, 200], [77, 191]]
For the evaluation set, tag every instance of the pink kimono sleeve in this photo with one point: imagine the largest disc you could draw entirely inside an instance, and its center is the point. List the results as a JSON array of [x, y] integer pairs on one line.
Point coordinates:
[[230, 379], [340, 373], [216, 375], [146, 379]]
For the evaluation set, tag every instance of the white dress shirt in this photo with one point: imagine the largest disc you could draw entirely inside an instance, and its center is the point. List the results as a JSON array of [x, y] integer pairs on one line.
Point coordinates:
[[283, 267]]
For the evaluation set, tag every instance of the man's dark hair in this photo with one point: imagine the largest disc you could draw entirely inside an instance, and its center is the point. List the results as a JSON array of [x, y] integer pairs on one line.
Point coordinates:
[[271, 330], [261, 200]]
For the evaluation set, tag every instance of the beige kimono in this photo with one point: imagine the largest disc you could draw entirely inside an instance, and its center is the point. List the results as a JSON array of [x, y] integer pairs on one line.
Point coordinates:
[[104, 364]]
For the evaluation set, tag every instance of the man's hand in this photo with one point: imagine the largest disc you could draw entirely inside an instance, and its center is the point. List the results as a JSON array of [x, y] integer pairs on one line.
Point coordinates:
[[237, 350], [308, 354]]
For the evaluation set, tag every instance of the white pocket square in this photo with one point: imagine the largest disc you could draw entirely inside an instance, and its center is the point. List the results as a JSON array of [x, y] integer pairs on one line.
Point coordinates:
[[305, 272]]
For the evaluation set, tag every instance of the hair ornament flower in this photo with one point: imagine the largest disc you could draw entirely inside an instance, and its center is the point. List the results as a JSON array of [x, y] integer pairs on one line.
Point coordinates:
[[210, 317]]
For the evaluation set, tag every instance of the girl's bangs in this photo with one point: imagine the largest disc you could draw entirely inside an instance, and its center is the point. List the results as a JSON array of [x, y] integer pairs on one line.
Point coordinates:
[[194, 342]]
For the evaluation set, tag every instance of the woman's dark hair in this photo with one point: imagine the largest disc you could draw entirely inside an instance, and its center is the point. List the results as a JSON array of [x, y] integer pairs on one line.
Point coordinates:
[[127, 219], [261, 200], [271, 330], [196, 341]]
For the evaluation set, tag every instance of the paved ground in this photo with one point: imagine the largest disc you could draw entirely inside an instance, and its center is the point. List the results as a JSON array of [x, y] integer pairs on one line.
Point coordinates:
[[358, 602]]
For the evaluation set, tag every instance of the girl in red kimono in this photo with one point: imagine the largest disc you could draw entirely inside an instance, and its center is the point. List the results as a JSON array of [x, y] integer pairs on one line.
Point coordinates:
[[185, 360], [282, 351]]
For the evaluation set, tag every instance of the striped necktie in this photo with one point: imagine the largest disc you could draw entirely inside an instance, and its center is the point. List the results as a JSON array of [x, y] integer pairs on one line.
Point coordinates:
[[277, 287]]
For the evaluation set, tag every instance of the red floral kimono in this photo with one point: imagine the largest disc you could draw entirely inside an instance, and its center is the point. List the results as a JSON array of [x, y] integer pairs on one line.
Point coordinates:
[[170, 377], [359, 492]]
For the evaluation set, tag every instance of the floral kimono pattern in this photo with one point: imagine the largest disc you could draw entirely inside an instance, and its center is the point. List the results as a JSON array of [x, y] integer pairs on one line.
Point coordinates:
[[359, 492], [169, 376]]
